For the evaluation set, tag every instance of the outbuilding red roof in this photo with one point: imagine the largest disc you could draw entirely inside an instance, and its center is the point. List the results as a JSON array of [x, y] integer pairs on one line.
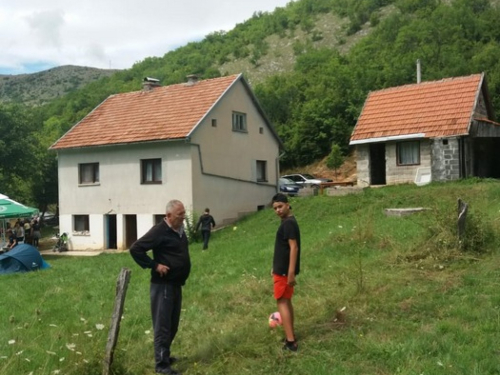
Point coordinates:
[[432, 109], [169, 112]]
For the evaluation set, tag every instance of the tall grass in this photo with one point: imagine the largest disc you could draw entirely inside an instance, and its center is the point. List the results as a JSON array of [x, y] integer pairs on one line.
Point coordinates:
[[415, 301]]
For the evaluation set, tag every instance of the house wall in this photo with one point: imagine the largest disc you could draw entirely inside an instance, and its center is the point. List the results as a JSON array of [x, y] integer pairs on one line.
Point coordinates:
[[445, 159], [395, 174], [363, 165], [224, 161], [119, 190], [400, 174]]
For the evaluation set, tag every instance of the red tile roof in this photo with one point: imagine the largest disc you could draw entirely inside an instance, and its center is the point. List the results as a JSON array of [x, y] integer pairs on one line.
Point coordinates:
[[169, 112], [435, 109]]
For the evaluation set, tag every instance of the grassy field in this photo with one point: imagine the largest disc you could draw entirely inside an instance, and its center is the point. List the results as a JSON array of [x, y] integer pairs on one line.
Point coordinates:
[[416, 300]]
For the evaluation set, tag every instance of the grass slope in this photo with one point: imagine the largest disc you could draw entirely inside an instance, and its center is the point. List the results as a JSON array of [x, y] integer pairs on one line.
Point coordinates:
[[415, 304]]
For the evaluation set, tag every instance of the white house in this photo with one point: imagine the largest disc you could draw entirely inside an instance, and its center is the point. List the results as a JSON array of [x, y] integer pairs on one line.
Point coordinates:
[[207, 143]]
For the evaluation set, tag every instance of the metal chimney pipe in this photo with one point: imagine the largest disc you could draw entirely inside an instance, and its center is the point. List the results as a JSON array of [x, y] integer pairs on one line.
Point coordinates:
[[419, 75]]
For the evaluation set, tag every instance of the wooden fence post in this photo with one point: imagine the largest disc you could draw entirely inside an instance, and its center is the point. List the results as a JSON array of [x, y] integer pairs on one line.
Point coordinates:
[[462, 216], [114, 329]]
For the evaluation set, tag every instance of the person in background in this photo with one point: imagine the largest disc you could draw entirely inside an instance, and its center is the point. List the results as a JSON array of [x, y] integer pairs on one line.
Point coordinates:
[[19, 229], [170, 268], [27, 232], [36, 234], [207, 223], [286, 266], [12, 239]]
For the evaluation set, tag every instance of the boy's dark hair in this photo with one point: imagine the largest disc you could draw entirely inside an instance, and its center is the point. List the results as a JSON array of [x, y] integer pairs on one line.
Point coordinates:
[[280, 198]]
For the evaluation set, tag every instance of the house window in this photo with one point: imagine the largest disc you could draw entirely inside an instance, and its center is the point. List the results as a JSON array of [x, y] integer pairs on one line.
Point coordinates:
[[214, 122], [151, 171], [408, 153], [261, 171], [89, 173], [261, 130], [81, 223], [239, 122]]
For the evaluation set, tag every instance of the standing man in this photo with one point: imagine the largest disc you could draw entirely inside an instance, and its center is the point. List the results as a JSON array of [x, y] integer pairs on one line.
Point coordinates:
[[286, 265], [207, 223], [170, 267]]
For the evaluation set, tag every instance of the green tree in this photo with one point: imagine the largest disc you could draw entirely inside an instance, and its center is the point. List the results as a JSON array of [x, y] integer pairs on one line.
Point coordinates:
[[335, 158]]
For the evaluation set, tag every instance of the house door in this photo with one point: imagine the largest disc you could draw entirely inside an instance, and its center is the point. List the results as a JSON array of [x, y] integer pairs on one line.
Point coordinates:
[[377, 164], [130, 230], [111, 232]]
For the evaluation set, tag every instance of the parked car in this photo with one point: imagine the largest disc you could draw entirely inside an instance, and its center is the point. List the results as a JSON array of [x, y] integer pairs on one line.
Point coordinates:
[[305, 179], [289, 187]]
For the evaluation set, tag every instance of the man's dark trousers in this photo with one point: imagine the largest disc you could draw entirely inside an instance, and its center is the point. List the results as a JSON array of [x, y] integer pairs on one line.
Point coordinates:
[[206, 238], [166, 301]]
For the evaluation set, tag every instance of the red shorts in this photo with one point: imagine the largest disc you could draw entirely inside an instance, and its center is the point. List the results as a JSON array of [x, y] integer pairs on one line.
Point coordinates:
[[281, 287]]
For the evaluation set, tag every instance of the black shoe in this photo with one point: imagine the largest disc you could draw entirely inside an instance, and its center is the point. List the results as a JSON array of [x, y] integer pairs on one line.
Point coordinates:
[[168, 370], [293, 346]]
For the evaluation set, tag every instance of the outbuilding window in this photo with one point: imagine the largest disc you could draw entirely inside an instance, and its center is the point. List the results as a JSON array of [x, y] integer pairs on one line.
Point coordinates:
[[408, 153]]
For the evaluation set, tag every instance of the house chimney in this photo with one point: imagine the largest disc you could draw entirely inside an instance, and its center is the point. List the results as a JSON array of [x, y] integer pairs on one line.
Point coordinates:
[[419, 75], [150, 83], [192, 79]]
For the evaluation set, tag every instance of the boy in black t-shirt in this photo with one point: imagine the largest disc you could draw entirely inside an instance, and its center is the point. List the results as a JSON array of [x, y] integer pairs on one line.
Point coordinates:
[[286, 265]]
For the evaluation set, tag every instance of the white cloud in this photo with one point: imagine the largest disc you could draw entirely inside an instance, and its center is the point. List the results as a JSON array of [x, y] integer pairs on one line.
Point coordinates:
[[113, 33], [45, 26]]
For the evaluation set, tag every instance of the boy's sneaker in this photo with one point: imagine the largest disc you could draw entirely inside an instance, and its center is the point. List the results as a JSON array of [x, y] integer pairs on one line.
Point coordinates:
[[293, 346]]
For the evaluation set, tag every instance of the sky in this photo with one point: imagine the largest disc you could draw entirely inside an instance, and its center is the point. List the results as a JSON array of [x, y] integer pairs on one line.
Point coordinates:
[[110, 34]]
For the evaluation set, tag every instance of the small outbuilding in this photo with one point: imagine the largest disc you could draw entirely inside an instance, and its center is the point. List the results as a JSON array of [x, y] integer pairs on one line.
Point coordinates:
[[431, 131]]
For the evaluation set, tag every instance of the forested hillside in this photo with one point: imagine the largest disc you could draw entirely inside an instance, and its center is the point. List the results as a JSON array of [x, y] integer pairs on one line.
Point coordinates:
[[43, 87], [311, 64]]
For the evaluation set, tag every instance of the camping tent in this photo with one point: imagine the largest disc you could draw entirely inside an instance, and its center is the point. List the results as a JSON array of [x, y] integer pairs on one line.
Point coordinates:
[[22, 258], [10, 209]]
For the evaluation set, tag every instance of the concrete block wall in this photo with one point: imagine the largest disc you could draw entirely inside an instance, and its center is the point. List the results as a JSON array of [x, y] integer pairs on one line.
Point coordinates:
[[445, 159], [401, 174], [363, 165]]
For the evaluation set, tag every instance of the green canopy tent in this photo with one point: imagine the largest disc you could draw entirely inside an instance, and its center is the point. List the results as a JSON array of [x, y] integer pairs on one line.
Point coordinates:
[[10, 209]]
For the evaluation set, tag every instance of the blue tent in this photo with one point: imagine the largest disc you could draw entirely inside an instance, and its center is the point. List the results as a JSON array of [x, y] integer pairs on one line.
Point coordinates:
[[22, 258]]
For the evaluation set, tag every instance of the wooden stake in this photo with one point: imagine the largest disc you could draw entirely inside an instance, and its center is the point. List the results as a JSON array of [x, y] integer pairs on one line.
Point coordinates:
[[114, 329], [462, 216]]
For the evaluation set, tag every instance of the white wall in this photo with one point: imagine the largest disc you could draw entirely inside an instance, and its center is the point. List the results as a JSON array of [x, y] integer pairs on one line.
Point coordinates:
[[224, 161], [119, 190]]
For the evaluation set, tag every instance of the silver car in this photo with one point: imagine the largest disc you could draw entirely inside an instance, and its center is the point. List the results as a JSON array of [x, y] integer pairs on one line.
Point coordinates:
[[305, 179]]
